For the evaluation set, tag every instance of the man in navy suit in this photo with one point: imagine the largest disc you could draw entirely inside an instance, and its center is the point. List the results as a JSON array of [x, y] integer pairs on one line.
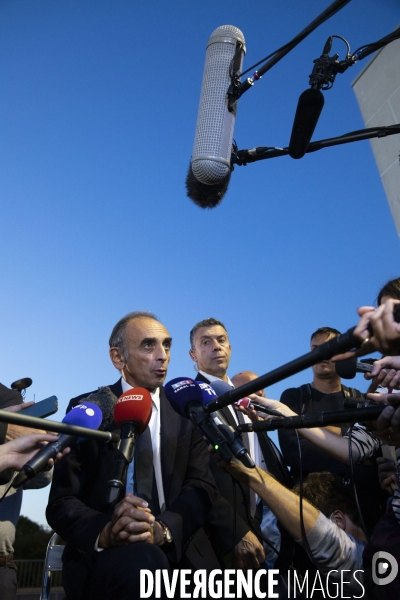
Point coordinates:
[[107, 546], [211, 352]]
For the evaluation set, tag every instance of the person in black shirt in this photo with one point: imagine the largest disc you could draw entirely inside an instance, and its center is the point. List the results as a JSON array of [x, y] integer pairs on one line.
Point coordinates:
[[326, 393]]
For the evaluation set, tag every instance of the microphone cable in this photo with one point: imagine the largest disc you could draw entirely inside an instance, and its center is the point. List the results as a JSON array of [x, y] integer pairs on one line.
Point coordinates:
[[324, 16], [302, 527], [353, 483], [249, 519]]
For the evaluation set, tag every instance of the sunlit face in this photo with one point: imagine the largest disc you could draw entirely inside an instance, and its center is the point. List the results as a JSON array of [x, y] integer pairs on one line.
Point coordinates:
[[211, 350], [148, 346], [326, 368]]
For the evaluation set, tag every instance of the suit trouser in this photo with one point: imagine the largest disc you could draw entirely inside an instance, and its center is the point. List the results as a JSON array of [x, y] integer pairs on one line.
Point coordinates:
[[8, 583], [115, 573]]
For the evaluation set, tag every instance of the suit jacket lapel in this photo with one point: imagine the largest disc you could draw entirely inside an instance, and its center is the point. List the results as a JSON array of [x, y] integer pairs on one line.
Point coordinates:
[[169, 424], [116, 388]]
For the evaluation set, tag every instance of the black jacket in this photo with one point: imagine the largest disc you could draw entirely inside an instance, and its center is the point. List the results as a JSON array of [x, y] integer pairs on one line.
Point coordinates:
[[227, 526], [78, 510]]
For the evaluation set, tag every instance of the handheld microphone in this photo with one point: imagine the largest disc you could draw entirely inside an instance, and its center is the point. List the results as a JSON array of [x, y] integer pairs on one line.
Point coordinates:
[[86, 415], [232, 436], [347, 369], [186, 398], [132, 414], [246, 402], [210, 167]]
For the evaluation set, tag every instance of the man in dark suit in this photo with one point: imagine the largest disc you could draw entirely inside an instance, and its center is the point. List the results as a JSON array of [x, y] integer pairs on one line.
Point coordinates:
[[108, 545], [211, 352]]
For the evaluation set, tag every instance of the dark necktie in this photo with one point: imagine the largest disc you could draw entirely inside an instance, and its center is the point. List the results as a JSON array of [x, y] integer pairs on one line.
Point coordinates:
[[145, 480], [246, 443]]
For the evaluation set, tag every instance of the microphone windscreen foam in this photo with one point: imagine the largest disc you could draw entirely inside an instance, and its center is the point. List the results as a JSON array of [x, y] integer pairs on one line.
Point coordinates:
[[346, 369], [180, 392], [308, 111], [206, 196], [85, 414], [105, 400], [134, 405]]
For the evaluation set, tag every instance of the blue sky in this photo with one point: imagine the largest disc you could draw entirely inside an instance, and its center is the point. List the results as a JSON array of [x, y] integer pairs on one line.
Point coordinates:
[[98, 104]]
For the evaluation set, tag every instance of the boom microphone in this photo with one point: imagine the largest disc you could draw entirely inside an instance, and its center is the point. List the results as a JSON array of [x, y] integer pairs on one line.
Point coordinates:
[[311, 103], [308, 111], [210, 167], [132, 414], [86, 415]]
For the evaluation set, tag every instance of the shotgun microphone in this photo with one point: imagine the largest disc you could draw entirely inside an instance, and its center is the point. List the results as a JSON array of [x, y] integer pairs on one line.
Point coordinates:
[[210, 167]]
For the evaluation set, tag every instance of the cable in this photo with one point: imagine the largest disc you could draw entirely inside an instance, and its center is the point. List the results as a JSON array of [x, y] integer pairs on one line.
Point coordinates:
[[266, 58], [376, 45], [345, 41], [249, 518], [303, 529], [353, 483]]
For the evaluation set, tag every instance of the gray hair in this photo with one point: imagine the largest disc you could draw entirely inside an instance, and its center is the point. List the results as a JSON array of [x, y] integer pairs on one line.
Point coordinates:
[[117, 339], [210, 322]]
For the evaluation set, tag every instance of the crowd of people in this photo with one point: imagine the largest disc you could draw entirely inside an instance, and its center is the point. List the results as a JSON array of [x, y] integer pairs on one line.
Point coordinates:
[[185, 508]]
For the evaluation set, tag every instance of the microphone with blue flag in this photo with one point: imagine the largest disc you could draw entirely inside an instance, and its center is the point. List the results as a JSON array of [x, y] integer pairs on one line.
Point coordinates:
[[86, 414], [188, 398]]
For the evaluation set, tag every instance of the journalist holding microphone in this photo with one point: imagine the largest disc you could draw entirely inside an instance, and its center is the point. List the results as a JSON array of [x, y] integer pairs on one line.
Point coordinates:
[[18, 445]]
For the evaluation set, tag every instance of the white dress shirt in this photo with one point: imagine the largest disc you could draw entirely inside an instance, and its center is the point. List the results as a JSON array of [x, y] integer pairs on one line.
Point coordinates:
[[155, 432]]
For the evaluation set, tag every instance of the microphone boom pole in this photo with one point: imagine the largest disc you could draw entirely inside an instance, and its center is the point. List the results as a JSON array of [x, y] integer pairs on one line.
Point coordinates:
[[337, 345], [56, 426], [243, 157], [370, 413]]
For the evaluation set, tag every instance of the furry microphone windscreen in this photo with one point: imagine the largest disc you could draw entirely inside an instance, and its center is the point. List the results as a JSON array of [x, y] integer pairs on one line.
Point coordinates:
[[106, 401], [204, 195]]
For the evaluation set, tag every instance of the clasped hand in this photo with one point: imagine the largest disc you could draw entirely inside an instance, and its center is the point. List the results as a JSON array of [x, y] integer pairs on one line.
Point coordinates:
[[131, 522]]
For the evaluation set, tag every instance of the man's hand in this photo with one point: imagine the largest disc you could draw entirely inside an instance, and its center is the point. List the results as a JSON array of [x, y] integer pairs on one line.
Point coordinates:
[[16, 431], [274, 405], [385, 372], [18, 407], [388, 422], [131, 522], [249, 553], [387, 475], [16, 453], [386, 331], [236, 469]]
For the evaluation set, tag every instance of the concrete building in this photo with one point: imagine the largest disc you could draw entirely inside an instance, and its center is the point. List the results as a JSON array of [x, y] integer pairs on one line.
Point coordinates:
[[377, 89]]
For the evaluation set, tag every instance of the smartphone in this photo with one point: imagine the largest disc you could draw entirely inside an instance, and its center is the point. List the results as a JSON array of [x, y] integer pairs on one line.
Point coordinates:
[[42, 409]]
